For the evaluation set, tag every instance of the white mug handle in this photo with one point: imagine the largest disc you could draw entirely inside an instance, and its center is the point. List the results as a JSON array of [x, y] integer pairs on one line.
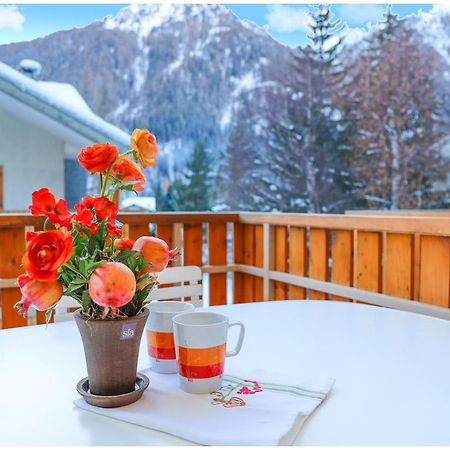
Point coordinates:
[[240, 339]]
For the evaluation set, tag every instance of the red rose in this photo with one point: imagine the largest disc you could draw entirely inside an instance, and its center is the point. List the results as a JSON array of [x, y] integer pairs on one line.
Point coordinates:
[[126, 170], [122, 244], [46, 252], [85, 217], [114, 230], [105, 209], [88, 201], [43, 203], [98, 157]]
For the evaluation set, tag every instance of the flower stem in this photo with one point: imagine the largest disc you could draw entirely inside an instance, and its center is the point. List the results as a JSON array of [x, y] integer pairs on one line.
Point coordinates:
[[104, 181]]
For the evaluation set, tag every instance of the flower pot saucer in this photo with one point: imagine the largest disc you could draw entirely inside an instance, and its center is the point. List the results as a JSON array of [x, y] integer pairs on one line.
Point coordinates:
[[113, 401]]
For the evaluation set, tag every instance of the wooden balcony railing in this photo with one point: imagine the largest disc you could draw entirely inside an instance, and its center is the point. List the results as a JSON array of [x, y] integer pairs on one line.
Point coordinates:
[[396, 261]]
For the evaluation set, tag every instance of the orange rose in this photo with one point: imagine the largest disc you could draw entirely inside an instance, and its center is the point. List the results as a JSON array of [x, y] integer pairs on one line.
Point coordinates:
[[145, 147], [98, 157], [46, 252], [126, 170]]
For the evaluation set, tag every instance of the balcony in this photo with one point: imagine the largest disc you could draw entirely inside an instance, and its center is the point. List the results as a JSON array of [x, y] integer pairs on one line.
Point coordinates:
[[399, 260]]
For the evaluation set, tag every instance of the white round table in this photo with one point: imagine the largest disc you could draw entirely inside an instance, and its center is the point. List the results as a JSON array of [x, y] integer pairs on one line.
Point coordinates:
[[392, 372]]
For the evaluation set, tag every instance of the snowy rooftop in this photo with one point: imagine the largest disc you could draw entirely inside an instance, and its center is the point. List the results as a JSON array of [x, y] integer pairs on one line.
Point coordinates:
[[140, 203], [58, 106]]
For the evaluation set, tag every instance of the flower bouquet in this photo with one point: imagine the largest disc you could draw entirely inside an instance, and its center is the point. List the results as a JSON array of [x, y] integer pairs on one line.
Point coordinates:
[[82, 255]]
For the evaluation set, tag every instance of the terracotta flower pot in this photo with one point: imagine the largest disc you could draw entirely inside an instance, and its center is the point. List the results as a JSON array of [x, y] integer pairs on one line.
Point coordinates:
[[111, 348]]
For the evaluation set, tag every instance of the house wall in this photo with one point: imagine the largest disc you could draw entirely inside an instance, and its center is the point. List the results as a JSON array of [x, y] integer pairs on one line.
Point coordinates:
[[31, 158]]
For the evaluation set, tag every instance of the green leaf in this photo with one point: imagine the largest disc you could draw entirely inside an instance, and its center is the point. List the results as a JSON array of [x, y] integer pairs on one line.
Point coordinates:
[[85, 301], [48, 315]]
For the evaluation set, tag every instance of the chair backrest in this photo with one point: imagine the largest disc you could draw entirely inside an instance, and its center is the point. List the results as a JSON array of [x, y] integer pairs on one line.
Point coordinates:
[[62, 310], [179, 275], [170, 276]]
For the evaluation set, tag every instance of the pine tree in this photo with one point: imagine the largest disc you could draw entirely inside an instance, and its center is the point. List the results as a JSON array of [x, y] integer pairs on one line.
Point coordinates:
[[323, 27], [238, 179], [397, 160], [310, 132], [294, 168], [164, 198], [194, 191]]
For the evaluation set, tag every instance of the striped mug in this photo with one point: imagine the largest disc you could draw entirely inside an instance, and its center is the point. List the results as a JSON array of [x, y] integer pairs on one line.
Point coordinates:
[[200, 343], [160, 343]]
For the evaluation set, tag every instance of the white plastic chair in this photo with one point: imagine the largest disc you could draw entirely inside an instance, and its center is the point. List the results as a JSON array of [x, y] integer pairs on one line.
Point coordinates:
[[172, 275], [62, 313], [179, 275]]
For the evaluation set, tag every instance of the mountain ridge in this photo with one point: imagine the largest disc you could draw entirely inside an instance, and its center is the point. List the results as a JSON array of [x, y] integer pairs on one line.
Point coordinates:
[[186, 72]]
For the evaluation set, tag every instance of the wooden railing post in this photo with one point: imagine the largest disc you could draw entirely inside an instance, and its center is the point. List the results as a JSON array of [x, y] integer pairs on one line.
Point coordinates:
[[280, 260], [177, 242], [297, 259], [12, 245], [238, 258], [217, 255], [268, 261]]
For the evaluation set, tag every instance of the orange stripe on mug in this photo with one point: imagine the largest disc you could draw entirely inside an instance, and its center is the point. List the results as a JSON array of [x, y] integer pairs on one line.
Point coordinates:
[[160, 340], [201, 356]]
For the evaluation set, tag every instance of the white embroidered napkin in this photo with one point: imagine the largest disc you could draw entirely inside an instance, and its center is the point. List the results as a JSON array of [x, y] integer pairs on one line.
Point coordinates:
[[255, 410]]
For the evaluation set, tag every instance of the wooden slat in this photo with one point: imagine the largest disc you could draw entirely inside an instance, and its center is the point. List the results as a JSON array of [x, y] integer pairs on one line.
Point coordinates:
[[318, 259], [434, 273], [165, 232], [217, 255], [238, 258], [249, 259], [342, 259], [416, 266], [368, 261], [398, 265], [369, 297], [297, 259], [136, 231], [259, 262], [280, 261], [12, 243], [193, 244]]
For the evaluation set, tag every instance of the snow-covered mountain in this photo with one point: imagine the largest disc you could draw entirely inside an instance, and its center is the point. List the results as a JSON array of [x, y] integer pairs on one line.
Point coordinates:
[[180, 70], [189, 72]]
